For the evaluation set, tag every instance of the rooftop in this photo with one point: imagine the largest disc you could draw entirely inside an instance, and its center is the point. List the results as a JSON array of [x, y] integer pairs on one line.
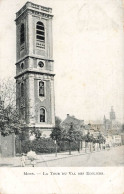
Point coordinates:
[[71, 119], [35, 7]]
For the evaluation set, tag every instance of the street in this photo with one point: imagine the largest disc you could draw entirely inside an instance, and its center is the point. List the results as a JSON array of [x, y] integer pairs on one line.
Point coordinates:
[[103, 158], [113, 157]]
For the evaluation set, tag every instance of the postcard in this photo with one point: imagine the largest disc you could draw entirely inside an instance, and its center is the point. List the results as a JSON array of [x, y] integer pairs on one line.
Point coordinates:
[[62, 97]]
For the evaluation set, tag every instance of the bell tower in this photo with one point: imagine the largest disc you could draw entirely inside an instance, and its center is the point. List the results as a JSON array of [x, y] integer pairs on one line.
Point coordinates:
[[112, 114], [34, 67]]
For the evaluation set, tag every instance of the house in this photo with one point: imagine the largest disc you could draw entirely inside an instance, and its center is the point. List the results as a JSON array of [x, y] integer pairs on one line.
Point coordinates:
[[94, 127], [77, 124]]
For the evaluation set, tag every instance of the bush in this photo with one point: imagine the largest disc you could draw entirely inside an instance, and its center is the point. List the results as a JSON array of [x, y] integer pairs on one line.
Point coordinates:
[[64, 146], [25, 146], [46, 145], [20, 142], [43, 145]]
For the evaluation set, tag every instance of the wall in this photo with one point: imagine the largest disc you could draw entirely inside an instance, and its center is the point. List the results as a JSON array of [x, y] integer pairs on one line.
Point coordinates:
[[7, 145]]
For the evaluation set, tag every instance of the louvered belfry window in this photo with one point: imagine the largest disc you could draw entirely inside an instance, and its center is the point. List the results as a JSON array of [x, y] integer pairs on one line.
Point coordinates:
[[40, 32], [22, 34], [22, 89]]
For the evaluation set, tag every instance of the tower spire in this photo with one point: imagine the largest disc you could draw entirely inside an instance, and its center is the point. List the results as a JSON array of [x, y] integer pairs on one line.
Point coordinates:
[[112, 114]]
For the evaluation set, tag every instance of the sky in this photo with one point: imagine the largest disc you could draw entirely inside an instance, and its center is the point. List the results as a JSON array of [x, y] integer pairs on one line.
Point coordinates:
[[88, 54]]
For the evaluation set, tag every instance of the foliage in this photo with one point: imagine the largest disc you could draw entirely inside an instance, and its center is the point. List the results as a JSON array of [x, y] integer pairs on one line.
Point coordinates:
[[64, 146], [8, 92], [72, 135], [10, 122], [42, 145], [78, 135], [100, 139], [122, 128], [87, 137], [9, 117], [25, 146], [57, 121], [57, 131], [69, 134], [56, 134], [36, 132]]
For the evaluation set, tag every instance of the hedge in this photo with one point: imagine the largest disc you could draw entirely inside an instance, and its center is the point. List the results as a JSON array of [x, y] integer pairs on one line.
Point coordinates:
[[45, 145]]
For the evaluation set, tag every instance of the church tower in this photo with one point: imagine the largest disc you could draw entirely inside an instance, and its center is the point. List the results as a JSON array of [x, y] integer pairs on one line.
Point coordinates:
[[112, 117], [112, 114], [34, 67]]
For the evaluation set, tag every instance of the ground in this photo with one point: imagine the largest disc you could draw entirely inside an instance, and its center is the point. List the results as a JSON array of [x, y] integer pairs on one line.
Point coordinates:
[[112, 157]]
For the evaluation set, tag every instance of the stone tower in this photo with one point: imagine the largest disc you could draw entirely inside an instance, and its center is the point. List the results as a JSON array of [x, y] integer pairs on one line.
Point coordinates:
[[34, 67], [112, 117], [112, 114]]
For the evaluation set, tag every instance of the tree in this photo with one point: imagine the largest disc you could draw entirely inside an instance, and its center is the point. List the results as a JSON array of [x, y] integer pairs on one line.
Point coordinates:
[[68, 134], [91, 141], [94, 142], [56, 132], [8, 92], [100, 139], [78, 134], [10, 121], [122, 128], [56, 136], [35, 132], [57, 121], [87, 140]]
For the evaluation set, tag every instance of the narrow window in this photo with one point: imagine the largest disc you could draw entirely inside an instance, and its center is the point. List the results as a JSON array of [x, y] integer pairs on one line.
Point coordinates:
[[22, 113], [22, 89], [22, 36], [22, 65], [40, 32], [42, 115], [41, 88]]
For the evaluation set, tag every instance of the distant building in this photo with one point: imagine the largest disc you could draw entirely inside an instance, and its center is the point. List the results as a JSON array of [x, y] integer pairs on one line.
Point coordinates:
[[107, 123], [122, 138], [117, 140], [112, 123], [78, 124], [94, 127]]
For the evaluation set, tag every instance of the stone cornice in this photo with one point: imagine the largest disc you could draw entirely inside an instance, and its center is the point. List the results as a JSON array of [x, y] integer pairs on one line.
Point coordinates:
[[33, 12], [36, 57], [35, 7], [33, 72]]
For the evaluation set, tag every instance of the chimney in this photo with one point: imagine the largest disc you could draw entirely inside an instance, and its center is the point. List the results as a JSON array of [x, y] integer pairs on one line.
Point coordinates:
[[67, 115]]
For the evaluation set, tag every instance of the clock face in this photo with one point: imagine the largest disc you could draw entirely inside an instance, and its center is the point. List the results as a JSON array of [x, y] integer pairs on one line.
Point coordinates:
[[41, 64]]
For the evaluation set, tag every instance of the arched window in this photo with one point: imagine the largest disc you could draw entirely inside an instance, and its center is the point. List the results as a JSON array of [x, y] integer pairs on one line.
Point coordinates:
[[40, 32], [22, 89], [22, 35], [22, 65], [41, 89], [42, 115]]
